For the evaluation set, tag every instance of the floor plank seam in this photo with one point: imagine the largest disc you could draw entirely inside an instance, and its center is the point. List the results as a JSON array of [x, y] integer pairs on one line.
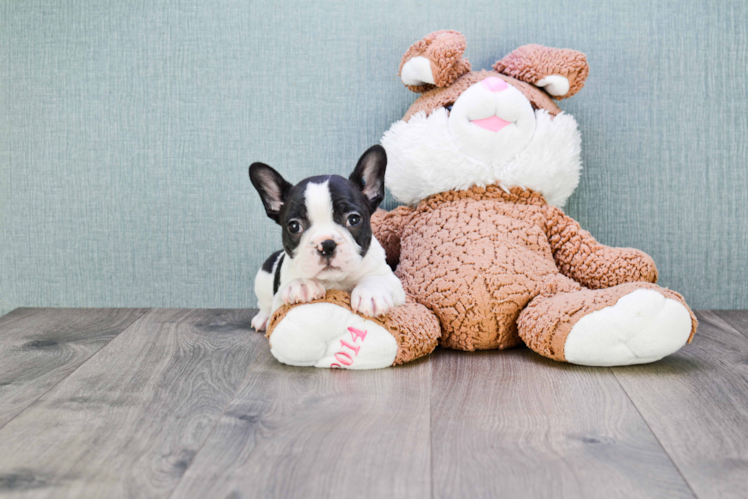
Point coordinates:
[[657, 438], [32, 403]]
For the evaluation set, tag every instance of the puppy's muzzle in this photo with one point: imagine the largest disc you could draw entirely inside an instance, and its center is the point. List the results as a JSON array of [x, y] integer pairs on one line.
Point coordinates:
[[327, 248]]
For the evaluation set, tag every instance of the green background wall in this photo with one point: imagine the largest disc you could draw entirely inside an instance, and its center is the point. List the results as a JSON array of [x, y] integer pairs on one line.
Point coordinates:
[[127, 127]]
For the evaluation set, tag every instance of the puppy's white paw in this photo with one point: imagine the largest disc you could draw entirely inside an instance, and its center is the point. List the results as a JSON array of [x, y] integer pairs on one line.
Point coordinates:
[[371, 300], [260, 321], [301, 291]]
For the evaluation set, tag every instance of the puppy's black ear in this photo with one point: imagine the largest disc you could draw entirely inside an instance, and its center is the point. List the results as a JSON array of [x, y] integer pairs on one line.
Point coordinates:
[[272, 187], [369, 174]]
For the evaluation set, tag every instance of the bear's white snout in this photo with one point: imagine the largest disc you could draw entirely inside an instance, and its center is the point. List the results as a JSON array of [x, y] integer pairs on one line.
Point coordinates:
[[492, 121]]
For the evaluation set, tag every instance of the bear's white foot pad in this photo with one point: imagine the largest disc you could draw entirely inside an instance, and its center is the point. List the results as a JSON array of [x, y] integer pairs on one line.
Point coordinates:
[[642, 327], [329, 336]]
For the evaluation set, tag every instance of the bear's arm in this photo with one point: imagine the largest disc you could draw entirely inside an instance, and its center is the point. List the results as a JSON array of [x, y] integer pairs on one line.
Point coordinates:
[[388, 229], [593, 265]]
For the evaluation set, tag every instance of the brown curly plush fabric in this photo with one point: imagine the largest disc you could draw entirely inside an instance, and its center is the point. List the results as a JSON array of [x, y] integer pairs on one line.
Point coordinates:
[[444, 49], [476, 258], [414, 327], [440, 97], [546, 322], [390, 226], [589, 263], [531, 63]]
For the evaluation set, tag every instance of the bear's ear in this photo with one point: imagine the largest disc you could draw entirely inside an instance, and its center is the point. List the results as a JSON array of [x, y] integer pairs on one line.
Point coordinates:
[[434, 61], [561, 72]]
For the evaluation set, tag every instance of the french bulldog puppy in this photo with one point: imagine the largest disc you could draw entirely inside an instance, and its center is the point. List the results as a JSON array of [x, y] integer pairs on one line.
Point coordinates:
[[327, 240]]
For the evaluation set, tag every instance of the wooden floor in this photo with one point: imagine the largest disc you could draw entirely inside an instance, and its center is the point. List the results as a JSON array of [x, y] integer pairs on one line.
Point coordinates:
[[190, 403]]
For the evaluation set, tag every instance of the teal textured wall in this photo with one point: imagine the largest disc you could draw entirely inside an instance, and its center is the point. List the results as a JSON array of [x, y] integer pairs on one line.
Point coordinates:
[[127, 128]]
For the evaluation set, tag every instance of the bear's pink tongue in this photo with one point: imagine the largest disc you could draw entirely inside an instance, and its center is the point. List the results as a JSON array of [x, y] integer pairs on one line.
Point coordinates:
[[493, 124]]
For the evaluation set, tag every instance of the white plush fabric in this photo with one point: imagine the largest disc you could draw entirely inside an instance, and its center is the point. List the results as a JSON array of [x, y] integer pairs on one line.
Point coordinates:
[[485, 146], [424, 159], [417, 71], [554, 84], [641, 327], [318, 335]]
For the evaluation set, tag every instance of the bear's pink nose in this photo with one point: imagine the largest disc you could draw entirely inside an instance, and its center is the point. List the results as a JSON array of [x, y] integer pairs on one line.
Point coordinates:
[[494, 84]]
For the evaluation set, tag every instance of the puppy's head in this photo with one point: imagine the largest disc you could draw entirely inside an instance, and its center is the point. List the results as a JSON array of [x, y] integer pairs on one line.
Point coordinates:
[[326, 220]]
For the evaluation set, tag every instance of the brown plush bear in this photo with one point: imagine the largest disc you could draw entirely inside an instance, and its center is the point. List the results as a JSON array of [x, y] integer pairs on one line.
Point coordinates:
[[484, 161]]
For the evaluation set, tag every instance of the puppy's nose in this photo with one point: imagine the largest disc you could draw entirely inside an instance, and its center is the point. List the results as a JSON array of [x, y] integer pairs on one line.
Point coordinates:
[[326, 248]]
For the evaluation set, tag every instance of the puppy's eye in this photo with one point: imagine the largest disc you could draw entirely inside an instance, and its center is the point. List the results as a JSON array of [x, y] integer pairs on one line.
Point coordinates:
[[448, 107], [294, 227], [354, 220]]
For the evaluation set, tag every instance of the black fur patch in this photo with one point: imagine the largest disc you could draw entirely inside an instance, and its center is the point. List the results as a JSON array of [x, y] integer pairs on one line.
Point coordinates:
[[347, 199], [268, 265], [295, 209], [277, 278]]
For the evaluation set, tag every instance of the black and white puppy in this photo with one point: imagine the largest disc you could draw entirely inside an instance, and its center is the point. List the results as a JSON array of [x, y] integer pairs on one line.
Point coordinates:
[[327, 240]]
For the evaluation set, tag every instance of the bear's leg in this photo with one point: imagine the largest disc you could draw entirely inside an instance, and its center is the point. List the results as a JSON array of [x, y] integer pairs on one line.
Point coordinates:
[[628, 324], [326, 333]]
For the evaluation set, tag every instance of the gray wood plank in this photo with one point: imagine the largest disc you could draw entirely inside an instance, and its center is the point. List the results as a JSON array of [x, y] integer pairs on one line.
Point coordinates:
[[513, 424], [307, 432], [130, 420], [696, 402], [40, 347], [738, 319]]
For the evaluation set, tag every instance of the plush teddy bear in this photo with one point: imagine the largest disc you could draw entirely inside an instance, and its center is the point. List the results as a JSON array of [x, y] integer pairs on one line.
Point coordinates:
[[484, 161]]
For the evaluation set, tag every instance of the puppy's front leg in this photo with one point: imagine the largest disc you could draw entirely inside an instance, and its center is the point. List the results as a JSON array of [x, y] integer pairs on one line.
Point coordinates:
[[300, 291], [376, 295]]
